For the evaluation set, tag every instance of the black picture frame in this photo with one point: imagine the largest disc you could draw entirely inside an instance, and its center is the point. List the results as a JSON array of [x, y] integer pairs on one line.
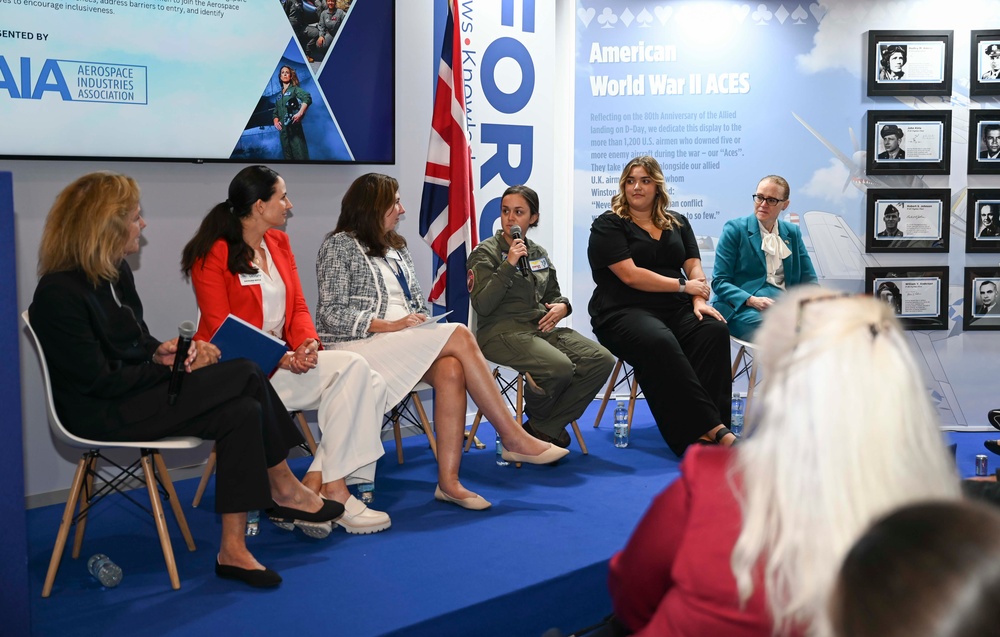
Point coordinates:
[[923, 139], [974, 316], [983, 124], [926, 58], [923, 218], [984, 65], [919, 294], [976, 223]]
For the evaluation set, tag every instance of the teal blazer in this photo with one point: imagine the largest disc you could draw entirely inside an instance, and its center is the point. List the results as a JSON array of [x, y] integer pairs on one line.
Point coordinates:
[[741, 270]]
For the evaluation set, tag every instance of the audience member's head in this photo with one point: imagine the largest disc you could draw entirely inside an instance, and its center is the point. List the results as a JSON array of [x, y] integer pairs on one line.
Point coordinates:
[[927, 570], [842, 432]]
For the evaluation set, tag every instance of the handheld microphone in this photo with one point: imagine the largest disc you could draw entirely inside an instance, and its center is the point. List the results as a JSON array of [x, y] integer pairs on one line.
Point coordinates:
[[185, 332], [515, 232]]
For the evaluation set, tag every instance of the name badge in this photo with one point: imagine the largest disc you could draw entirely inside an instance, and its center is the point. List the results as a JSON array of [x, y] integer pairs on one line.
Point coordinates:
[[539, 264], [251, 279]]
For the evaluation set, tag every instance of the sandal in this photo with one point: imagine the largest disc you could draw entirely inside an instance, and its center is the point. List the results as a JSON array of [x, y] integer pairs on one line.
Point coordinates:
[[722, 433], [992, 445]]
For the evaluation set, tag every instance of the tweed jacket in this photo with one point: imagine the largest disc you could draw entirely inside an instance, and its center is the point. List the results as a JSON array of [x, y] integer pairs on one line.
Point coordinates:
[[352, 291]]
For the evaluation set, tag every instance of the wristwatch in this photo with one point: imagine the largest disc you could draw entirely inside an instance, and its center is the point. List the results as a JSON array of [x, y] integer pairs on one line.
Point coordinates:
[[680, 284]]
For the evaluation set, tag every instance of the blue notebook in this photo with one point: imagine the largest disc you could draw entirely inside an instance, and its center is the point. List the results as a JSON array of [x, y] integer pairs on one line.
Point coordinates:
[[236, 338]]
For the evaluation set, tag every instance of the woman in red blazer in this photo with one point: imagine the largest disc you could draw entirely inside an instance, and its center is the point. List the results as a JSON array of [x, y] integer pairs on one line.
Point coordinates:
[[240, 264]]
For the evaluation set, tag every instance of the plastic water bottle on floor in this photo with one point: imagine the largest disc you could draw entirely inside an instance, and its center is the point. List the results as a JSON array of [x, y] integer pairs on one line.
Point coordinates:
[[500, 461], [736, 422], [366, 492], [104, 570], [621, 425], [253, 522]]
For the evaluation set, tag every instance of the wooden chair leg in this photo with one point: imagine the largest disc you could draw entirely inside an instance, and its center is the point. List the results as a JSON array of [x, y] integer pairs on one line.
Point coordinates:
[[607, 392], [579, 438], [740, 353], [425, 422], [175, 504], [398, 436], [67, 522], [751, 384], [633, 386], [160, 520], [84, 504], [471, 435], [306, 432], [205, 475]]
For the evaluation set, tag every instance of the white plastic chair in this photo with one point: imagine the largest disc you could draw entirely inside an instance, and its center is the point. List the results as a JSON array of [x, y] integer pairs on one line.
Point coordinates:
[[154, 472]]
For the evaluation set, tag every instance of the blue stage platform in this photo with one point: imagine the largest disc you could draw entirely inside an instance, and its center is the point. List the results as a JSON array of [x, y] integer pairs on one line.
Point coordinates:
[[537, 559]]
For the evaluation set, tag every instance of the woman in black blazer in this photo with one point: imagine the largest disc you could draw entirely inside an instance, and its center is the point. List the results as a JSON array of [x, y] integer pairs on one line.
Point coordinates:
[[110, 376]]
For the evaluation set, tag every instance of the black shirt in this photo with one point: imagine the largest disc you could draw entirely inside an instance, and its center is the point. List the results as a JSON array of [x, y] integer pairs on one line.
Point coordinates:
[[613, 239]]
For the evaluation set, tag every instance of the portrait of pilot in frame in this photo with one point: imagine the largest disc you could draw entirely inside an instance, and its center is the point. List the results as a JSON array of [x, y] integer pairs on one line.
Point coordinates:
[[991, 69], [986, 297], [988, 227], [892, 137], [890, 218], [892, 61], [990, 136]]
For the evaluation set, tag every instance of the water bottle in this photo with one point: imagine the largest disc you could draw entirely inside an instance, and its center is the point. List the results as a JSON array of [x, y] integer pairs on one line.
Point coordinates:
[[736, 423], [253, 522], [366, 492], [500, 461], [621, 425], [104, 570]]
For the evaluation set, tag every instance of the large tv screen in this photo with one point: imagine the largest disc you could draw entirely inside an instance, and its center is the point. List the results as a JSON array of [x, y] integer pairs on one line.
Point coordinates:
[[200, 80]]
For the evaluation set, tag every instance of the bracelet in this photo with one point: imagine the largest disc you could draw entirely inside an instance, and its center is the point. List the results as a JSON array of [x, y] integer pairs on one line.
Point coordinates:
[[680, 285]]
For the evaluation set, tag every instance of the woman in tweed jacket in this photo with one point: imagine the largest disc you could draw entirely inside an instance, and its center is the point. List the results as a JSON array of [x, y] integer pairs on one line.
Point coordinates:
[[370, 303]]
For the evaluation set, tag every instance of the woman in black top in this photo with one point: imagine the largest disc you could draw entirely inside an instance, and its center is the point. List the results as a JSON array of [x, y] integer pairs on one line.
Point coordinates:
[[651, 309]]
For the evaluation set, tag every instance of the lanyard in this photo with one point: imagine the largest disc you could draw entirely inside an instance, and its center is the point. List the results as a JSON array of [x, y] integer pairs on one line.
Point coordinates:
[[397, 271]]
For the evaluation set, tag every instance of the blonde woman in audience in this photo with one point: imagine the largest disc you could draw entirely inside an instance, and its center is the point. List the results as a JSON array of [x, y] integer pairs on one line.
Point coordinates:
[[747, 542]]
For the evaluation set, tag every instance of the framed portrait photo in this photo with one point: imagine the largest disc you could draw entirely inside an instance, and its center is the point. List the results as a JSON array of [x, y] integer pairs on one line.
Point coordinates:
[[909, 62], [984, 142], [982, 220], [909, 142], [918, 295], [981, 308], [984, 68], [908, 220]]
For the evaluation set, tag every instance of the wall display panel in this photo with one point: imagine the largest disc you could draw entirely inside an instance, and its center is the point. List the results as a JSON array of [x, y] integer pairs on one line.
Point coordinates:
[[902, 142], [914, 220], [982, 232], [233, 80], [723, 94], [981, 310], [909, 62], [919, 296]]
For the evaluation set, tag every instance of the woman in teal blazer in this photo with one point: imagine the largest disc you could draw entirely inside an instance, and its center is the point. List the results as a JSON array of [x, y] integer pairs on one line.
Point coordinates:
[[757, 258]]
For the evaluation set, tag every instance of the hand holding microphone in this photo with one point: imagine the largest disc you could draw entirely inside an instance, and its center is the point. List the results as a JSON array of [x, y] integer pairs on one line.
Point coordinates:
[[185, 332], [522, 262]]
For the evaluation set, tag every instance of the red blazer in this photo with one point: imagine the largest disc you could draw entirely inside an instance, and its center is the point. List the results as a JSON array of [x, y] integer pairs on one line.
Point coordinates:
[[673, 577], [220, 293]]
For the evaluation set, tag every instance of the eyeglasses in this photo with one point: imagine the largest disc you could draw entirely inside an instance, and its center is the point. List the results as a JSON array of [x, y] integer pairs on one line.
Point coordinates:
[[771, 201]]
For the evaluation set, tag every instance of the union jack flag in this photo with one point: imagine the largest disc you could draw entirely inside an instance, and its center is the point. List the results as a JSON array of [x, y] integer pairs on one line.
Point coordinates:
[[447, 209]]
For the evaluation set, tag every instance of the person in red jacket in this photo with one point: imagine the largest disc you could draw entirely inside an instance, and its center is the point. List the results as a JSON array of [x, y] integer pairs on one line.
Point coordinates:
[[748, 540], [241, 264]]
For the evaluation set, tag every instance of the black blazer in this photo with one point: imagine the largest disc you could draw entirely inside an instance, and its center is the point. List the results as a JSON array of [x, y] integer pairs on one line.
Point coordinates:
[[99, 353]]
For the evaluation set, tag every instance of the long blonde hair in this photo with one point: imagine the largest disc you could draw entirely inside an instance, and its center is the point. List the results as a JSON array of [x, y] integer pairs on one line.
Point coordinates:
[[662, 218], [87, 227], [843, 432]]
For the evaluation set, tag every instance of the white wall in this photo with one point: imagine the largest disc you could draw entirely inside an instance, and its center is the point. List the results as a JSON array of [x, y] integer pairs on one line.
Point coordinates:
[[176, 196]]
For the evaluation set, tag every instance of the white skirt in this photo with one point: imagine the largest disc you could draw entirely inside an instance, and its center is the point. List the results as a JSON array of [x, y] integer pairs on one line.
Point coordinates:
[[402, 357]]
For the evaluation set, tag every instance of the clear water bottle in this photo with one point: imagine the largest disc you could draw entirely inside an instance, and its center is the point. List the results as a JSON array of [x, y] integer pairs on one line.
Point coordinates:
[[621, 425], [500, 461], [366, 492], [104, 570], [253, 522], [736, 422]]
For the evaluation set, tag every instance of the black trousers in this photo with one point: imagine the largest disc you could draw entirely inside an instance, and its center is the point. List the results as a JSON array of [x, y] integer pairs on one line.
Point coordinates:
[[233, 404], [682, 365]]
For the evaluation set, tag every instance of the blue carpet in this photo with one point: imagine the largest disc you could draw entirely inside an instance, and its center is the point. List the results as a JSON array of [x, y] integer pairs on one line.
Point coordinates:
[[537, 559]]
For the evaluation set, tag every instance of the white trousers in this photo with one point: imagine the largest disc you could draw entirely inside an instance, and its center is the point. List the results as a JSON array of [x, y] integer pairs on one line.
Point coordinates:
[[350, 399]]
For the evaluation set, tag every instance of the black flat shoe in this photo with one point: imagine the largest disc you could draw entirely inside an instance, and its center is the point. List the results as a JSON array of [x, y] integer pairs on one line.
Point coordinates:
[[994, 418], [562, 440], [331, 510], [256, 578], [992, 445]]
